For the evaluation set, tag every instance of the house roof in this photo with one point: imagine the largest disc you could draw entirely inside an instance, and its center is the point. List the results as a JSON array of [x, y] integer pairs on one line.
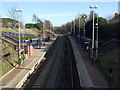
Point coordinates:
[[8, 19]]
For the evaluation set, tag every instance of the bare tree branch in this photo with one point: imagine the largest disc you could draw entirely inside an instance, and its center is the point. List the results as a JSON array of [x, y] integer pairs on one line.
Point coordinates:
[[12, 13]]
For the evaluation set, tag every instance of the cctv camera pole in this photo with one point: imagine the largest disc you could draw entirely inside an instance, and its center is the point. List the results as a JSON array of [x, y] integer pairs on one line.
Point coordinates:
[[71, 27]]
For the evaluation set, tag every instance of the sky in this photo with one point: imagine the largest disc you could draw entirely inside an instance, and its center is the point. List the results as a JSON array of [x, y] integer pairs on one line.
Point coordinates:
[[58, 13]]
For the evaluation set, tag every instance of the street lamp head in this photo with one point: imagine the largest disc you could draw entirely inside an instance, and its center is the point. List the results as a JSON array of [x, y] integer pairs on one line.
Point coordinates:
[[84, 16], [91, 6], [96, 6], [18, 10]]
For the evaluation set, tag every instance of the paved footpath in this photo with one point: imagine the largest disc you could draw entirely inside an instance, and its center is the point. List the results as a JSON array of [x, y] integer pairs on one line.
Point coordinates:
[[18, 75], [94, 74]]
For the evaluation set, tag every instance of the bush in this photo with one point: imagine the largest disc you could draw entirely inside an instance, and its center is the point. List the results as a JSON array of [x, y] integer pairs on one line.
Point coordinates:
[[30, 25], [22, 57]]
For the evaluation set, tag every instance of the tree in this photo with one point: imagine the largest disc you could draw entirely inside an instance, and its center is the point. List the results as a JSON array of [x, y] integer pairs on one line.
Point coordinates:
[[39, 27], [110, 31], [89, 26], [39, 23], [47, 24], [13, 15], [91, 15], [30, 25], [36, 18], [83, 20], [66, 28], [109, 17]]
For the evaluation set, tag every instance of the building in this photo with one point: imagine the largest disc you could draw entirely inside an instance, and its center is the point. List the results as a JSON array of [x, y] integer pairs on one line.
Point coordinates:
[[8, 22], [119, 7], [115, 19]]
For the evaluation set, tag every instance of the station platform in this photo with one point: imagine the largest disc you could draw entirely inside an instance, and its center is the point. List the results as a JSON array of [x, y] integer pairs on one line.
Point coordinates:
[[17, 76], [89, 75]]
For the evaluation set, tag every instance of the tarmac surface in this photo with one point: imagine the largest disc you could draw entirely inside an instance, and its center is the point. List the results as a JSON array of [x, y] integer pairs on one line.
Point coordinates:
[[96, 78]]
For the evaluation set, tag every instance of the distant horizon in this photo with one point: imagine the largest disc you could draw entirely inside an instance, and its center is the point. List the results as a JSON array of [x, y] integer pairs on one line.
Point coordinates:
[[59, 13]]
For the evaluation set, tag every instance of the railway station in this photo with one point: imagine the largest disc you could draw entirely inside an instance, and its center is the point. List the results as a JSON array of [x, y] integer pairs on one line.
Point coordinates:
[[48, 66], [66, 48]]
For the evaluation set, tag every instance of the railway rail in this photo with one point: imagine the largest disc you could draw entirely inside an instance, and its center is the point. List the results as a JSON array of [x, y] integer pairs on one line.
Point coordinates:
[[57, 70]]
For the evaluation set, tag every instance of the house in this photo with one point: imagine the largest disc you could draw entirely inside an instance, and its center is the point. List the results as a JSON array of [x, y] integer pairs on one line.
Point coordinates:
[[115, 19], [9, 23]]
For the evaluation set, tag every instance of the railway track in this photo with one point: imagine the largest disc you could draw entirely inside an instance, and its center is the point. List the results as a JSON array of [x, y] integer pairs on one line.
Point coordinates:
[[58, 70], [69, 76]]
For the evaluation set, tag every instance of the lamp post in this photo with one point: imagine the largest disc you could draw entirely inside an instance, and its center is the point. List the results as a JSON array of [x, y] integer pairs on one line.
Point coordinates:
[[79, 25], [50, 29], [43, 27], [97, 38], [71, 27], [74, 27], [93, 7], [43, 32], [19, 46], [84, 16]]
